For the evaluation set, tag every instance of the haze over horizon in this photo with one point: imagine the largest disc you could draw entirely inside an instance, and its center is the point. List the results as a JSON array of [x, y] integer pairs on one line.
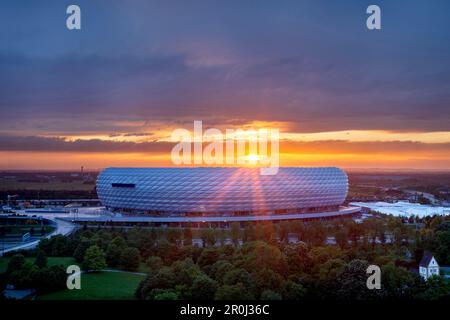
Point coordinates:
[[111, 93]]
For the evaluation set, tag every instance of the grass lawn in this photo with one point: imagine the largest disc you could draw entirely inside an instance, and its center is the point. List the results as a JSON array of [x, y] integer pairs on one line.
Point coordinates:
[[100, 286], [51, 261]]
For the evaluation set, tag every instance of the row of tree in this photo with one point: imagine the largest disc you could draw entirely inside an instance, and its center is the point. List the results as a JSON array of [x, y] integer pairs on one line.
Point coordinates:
[[94, 250], [23, 274], [119, 246]]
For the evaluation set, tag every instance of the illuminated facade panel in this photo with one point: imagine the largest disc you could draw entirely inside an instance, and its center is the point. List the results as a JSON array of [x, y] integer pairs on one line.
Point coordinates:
[[221, 190]]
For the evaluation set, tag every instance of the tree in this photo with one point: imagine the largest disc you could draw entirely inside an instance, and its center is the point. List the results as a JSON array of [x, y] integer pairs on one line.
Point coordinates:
[[329, 270], [208, 237], [166, 295], [94, 259], [41, 259], [221, 235], [318, 233], [293, 291], [185, 271], [354, 231], [174, 235], [298, 227], [44, 244], [260, 255], [398, 282], [397, 234], [187, 237], [50, 279], [240, 276], [203, 288], [60, 246], [113, 255], [268, 231], [154, 263], [341, 237], [283, 231], [163, 279], [249, 233], [443, 246], [208, 257], [166, 250], [298, 258], [24, 277], [81, 248], [270, 295], [233, 292], [235, 233], [259, 231], [15, 263], [119, 242], [436, 288], [352, 282], [130, 259], [267, 279]]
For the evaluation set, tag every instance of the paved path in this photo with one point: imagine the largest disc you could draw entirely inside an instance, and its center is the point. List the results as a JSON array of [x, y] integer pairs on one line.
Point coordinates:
[[109, 270], [124, 271]]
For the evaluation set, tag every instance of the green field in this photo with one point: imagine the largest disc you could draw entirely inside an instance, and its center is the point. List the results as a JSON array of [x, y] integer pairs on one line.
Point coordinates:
[[51, 261], [100, 286]]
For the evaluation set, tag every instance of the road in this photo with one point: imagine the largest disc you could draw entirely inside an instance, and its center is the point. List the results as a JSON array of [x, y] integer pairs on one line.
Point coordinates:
[[62, 227]]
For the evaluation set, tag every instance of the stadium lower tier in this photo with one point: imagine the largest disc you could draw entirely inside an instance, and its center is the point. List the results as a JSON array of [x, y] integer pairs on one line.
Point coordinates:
[[198, 221]]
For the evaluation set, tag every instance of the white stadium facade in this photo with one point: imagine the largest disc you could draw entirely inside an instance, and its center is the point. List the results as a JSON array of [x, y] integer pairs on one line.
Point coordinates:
[[195, 195]]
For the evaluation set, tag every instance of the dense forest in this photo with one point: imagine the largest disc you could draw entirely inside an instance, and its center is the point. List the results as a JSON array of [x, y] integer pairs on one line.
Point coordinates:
[[256, 261]]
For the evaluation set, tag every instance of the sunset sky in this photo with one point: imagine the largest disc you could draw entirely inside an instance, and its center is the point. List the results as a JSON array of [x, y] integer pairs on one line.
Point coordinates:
[[111, 93]]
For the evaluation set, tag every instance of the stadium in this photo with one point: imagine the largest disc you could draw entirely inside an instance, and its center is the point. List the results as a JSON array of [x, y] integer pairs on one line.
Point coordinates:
[[224, 194]]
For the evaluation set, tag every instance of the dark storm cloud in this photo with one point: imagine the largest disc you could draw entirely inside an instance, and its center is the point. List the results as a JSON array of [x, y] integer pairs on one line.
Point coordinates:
[[51, 144], [309, 62]]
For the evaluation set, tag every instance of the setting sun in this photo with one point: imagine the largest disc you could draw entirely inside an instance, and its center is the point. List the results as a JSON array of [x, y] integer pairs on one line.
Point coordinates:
[[253, 158]]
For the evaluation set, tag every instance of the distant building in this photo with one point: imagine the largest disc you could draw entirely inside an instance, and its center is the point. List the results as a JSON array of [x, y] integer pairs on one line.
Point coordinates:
[[428, 266]]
